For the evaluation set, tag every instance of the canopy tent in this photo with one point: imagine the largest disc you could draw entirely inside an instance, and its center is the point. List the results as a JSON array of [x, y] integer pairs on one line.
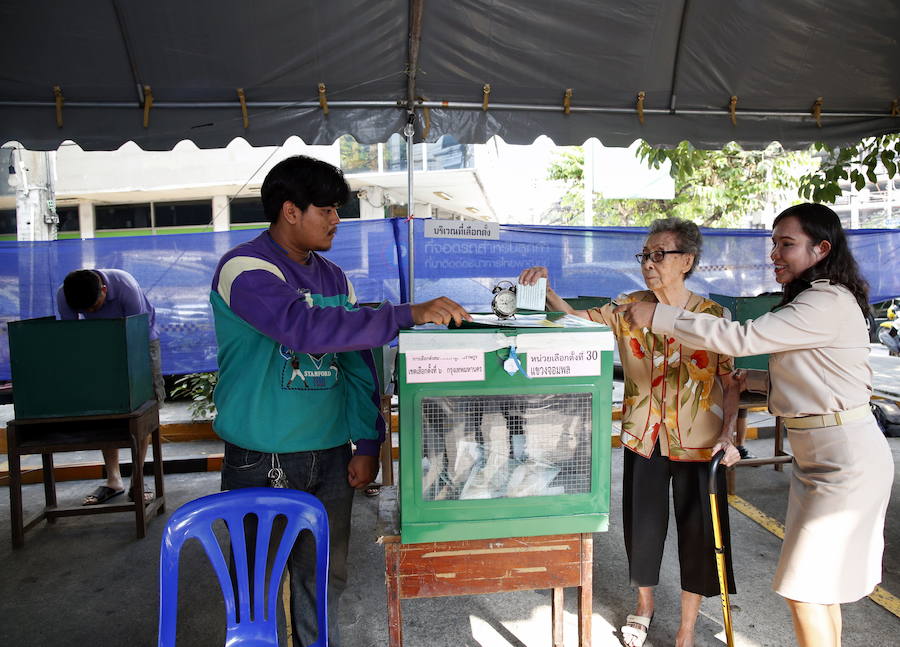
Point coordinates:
[[161, 72]]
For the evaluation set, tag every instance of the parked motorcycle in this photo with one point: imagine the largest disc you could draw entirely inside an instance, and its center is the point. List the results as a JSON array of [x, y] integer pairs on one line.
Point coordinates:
[[889, 331]]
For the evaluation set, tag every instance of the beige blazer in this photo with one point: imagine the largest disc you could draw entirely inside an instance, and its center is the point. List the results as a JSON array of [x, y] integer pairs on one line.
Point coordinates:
[[819, 346]]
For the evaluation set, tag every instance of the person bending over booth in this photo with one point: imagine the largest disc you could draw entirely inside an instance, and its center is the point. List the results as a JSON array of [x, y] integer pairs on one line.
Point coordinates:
[[297, 382], [110, 294]]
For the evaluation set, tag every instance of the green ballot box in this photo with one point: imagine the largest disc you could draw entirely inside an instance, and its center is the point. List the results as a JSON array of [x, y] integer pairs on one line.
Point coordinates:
[[504, 432], [743, 309], [79, 368]]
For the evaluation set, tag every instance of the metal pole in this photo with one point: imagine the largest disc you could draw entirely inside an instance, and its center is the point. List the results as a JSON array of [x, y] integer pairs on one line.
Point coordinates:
[[451, 105], [409, 131], [416, 9]]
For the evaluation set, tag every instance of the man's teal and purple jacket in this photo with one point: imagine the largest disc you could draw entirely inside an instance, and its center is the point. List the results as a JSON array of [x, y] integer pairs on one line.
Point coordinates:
[[295, 367]]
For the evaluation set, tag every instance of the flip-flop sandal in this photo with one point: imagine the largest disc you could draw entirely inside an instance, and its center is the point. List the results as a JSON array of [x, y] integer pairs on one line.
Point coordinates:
[[101, 494], [634, 636], [372, 490], [148, 495]]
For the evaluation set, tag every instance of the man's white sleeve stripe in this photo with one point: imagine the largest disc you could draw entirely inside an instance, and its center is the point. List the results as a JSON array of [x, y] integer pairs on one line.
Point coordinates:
[[351, 293], [235, 266]]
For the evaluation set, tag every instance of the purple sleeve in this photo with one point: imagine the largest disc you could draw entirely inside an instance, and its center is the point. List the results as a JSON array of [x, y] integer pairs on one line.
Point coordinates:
[[277, 310], [132, 298], [65, 312]]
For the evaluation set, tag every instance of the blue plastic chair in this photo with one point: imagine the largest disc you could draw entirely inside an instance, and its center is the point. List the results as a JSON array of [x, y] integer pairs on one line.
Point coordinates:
[[195, 520]]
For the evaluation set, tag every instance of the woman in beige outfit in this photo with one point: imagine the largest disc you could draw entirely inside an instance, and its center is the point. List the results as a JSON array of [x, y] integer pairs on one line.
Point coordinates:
[[820, 383]]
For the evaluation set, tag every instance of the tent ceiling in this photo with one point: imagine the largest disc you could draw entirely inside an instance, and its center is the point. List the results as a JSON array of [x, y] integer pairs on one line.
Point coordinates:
[[688, 57]]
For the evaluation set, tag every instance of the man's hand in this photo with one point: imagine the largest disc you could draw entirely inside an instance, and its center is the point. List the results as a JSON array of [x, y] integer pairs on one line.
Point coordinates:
[[439, 311], [638, 314], [362, 470]]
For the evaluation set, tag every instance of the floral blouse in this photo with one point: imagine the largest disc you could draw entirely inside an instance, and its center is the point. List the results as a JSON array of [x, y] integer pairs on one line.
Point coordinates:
[[668, 386]]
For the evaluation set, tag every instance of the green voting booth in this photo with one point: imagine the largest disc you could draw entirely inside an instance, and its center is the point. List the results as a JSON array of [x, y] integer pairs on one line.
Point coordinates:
[[743, 309], [79, 367], [504, 431]]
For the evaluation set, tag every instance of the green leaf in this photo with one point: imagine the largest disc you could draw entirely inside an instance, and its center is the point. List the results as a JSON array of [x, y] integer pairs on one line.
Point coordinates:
[[685, 397], [642, 402], [630, 388], [694, 407], [672, 377]]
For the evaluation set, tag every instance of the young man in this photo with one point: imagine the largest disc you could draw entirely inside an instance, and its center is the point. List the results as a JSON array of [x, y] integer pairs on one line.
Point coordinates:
[[297, 382], [109, 294]]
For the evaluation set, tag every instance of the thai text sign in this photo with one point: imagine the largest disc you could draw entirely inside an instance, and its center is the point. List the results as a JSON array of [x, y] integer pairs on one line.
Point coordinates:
[[444, 366], [563, 363], [462, 229]]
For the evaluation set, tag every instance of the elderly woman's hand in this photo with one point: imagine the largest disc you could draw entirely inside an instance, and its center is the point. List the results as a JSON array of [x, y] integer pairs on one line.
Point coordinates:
[[638, 314], [732, 455], [738, 378], [531, 275]]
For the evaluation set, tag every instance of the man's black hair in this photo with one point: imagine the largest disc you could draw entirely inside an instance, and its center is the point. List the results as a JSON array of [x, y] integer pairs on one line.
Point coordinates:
[[82, 289], [304, 181]]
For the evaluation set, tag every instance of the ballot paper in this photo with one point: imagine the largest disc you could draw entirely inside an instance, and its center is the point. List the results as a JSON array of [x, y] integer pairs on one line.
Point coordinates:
[[531, 297]]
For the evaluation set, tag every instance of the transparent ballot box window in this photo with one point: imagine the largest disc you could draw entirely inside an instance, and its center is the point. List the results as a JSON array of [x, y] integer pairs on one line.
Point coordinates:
[[505, 446]]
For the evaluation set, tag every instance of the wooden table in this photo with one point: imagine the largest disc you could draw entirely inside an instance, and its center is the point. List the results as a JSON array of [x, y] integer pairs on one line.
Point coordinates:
[[45, 436], [446, 568]]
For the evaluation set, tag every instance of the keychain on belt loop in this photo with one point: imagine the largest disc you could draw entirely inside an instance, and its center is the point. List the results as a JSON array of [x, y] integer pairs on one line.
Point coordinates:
[[276, 474]]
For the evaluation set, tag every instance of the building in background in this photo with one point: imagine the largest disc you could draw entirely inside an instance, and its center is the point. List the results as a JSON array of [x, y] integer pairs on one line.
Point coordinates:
[[134, 192]]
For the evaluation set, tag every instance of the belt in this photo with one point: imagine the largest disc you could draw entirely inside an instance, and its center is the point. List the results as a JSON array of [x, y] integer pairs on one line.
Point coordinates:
[[829, 419]]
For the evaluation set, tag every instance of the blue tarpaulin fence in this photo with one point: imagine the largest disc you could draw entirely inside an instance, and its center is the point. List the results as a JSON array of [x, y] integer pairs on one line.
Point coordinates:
[[176, 270]]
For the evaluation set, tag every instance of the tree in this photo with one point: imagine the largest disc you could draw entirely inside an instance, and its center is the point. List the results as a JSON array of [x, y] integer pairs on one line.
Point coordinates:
[[856, 164], [712, 188], [569, 168]]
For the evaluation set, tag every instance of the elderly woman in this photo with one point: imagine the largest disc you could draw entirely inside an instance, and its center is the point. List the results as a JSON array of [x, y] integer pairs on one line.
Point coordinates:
[[679, 409], [820, 383]]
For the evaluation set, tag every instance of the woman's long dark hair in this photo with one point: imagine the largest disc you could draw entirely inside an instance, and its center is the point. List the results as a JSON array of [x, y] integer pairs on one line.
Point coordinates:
[[821, 223]]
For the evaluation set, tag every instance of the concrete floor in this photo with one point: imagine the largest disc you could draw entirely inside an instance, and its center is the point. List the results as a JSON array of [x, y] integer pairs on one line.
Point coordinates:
[[88, 580]]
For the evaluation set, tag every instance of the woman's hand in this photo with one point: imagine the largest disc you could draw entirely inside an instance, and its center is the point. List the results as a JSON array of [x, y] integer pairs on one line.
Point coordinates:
[[531, 275], [732, 455], [638, 314], [555, 302]]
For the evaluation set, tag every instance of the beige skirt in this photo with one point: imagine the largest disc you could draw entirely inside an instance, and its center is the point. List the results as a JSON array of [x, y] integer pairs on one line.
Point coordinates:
[[834, 532]]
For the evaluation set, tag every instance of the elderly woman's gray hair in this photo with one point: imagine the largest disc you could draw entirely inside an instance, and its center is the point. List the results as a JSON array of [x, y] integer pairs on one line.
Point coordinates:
[[690, 239]]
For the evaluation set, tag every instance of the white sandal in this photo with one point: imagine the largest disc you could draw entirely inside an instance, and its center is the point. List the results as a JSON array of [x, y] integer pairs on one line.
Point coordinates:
[[632, 636]]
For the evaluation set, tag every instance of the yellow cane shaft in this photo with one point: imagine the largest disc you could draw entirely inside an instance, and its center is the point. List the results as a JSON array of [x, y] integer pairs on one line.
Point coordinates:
[[720, 565]]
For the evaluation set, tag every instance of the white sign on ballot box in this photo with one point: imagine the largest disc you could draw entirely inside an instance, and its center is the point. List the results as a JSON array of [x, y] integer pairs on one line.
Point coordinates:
[[444, 366]]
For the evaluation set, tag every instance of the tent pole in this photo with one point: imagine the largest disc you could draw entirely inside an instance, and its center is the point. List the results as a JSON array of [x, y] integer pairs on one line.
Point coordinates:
[[409, 131], [416, 9], [446, 105], [673, 97]]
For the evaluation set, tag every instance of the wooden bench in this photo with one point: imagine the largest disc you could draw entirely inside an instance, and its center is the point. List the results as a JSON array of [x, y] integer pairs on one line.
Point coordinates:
[[45, 436]]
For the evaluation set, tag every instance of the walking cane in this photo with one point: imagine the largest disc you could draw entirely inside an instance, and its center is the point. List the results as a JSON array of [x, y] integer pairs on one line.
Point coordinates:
[[720, 546]]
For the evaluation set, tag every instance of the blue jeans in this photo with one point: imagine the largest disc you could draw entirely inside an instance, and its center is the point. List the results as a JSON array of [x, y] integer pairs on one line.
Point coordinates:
[[322, 473]]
